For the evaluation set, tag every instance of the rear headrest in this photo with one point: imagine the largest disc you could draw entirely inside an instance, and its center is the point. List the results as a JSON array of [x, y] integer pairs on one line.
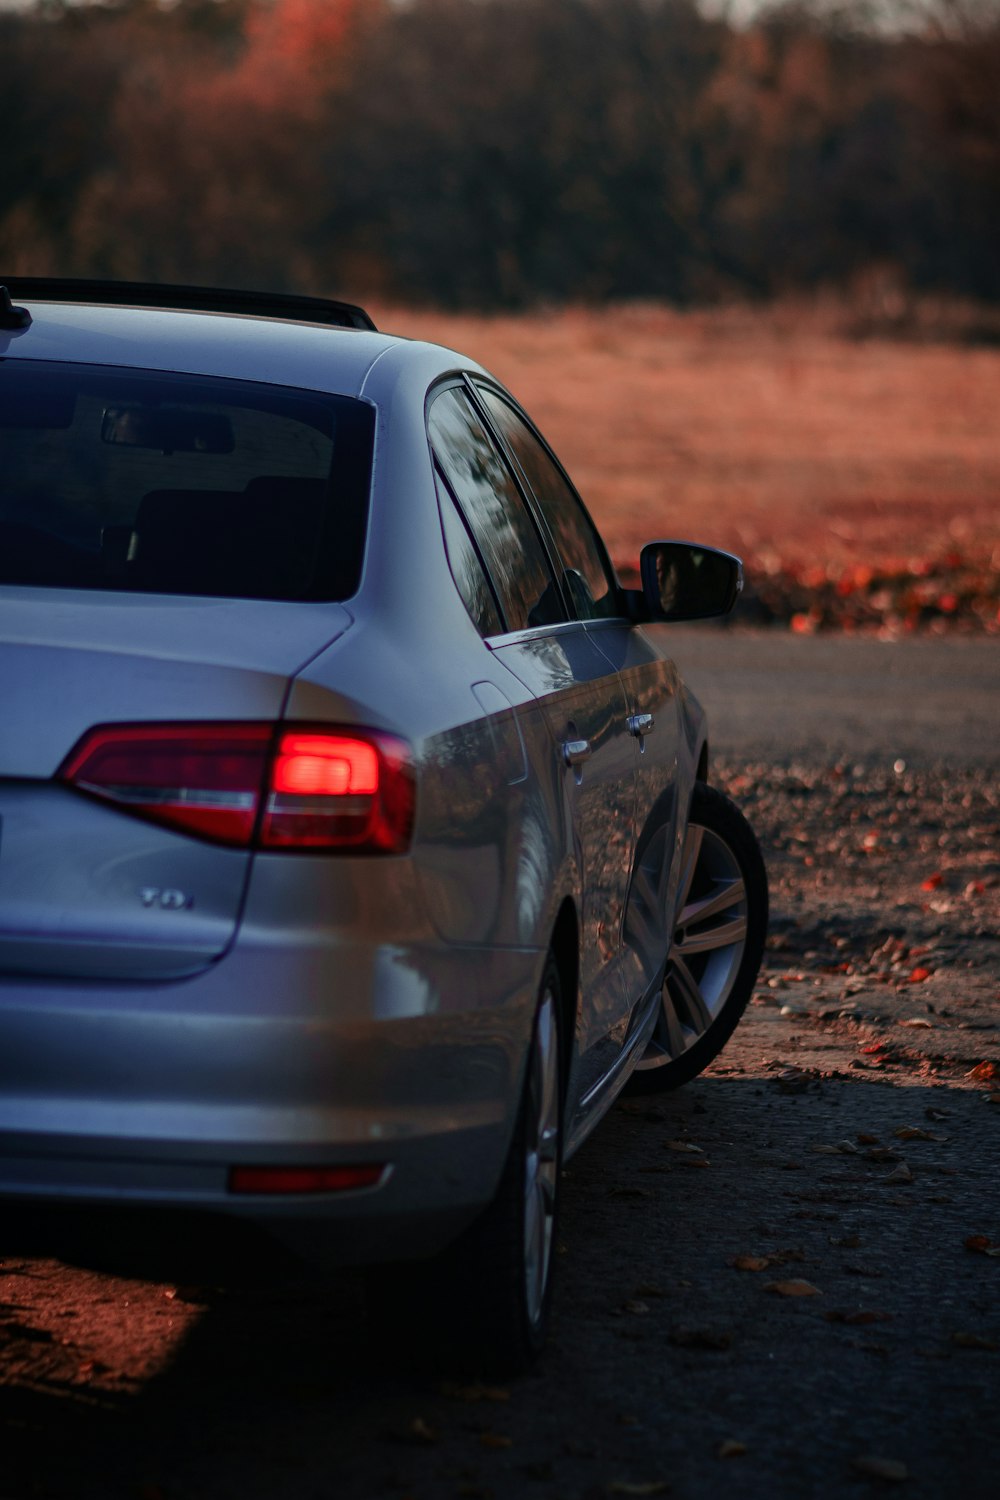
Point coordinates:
[[256, 543]]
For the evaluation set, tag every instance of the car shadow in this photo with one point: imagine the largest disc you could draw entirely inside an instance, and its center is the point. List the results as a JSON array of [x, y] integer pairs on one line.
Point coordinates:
[[662, 1348]]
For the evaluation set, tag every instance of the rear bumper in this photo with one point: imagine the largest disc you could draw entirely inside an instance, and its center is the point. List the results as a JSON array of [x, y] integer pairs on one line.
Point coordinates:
[[430, 1192], [407, 1056]]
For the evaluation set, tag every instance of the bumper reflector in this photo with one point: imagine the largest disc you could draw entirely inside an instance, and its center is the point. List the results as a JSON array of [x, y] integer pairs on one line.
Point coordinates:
[[306, 1179]]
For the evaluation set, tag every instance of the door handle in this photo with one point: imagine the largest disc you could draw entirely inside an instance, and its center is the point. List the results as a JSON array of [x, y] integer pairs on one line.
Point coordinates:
[[640, 724], [576, 751]]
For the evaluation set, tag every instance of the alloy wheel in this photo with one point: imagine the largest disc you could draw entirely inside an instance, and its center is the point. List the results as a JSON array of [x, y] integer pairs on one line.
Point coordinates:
[[709, 940]]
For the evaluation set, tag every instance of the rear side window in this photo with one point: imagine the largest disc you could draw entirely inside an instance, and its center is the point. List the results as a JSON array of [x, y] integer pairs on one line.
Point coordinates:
[[181, 484], [466, 568], [587, 577], [496, 513]]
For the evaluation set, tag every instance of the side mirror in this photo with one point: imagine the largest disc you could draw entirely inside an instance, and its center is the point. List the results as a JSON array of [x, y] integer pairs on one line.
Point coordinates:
[[682, 581]]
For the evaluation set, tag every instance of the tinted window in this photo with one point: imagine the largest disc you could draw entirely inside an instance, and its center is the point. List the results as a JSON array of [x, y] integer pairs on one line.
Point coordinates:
[[495, 510], [586, 578], [466, 568], [181, 484]]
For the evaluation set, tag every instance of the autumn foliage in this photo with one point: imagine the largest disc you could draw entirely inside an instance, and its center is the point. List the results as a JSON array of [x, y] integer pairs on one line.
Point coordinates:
[[496, 153]]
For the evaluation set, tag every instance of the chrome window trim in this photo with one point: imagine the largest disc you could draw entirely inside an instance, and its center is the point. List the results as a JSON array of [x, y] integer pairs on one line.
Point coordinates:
[[532, 633]]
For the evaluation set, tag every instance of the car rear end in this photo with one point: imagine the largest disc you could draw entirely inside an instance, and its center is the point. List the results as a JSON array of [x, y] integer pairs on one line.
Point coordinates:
[[218, 986]]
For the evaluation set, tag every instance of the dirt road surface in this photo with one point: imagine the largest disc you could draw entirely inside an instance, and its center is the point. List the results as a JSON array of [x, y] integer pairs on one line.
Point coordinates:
[[783, 1280]]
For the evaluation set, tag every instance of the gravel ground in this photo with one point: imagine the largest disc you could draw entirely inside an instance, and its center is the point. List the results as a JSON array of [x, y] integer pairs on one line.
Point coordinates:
[[776, 1282]]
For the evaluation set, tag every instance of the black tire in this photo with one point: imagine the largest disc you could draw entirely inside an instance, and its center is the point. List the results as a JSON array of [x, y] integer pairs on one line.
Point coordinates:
[[500, 1272], [481, 1308], [717, 945]]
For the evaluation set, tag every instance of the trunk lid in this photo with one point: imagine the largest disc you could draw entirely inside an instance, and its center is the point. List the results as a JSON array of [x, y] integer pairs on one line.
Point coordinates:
[[86, 890]]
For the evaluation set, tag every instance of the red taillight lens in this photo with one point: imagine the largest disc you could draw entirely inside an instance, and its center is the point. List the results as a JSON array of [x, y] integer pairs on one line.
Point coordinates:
[[305, 1179], [339, 791], [297, 787], [203, 778]]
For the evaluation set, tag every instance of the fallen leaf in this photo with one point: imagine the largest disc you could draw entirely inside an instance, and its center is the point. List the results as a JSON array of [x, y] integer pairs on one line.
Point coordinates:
[[730, 1448], [982, 1245], [919, 1022], [882, 1153], [983, 1072], [919, 974], [750, 1262], [686, 1146], [629, 1192], [495, 1440], [914, 1133], [935, 1114], [846, 1241], [649, 1289], [795, 1288], [901, 1174], [973, 1341], [932, 882], [700, 1338], [633, 1305], [881, 1468], [867, 1140]]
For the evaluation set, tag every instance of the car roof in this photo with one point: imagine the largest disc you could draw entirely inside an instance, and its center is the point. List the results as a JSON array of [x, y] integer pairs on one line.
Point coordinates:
[[279, 350]]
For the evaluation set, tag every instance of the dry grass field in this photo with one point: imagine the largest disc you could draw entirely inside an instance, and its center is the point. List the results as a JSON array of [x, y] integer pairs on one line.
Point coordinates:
[[842, 468]]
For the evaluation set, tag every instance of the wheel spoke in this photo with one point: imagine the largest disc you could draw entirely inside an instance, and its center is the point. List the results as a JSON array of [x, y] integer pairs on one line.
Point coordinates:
[[728, 894], [646, 902], [689, 862], [726, 935], [671, 1038], [688, 996]]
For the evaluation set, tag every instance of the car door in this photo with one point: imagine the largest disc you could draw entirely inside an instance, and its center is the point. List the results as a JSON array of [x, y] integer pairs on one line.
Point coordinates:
[[570, 704], [649, 684]]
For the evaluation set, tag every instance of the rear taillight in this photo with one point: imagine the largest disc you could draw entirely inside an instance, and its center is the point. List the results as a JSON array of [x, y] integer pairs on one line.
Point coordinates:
[[288, 787]]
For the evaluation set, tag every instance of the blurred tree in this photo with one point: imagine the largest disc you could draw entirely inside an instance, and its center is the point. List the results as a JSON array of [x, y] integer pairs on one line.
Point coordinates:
[[499, 152], [509, 150], [214, 172], [55, 98]]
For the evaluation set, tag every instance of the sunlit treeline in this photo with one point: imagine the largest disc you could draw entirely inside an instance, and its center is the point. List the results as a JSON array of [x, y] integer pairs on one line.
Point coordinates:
[[500, 152]]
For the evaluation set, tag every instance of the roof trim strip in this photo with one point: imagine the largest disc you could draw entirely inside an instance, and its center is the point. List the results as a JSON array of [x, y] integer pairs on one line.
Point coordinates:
[[191, 299]]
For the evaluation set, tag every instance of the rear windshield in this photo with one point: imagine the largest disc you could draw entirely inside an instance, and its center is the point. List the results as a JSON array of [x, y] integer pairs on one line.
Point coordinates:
[[180, 484]]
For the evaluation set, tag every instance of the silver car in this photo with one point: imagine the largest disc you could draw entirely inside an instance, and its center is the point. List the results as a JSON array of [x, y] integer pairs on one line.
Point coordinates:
[[357, 840]]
